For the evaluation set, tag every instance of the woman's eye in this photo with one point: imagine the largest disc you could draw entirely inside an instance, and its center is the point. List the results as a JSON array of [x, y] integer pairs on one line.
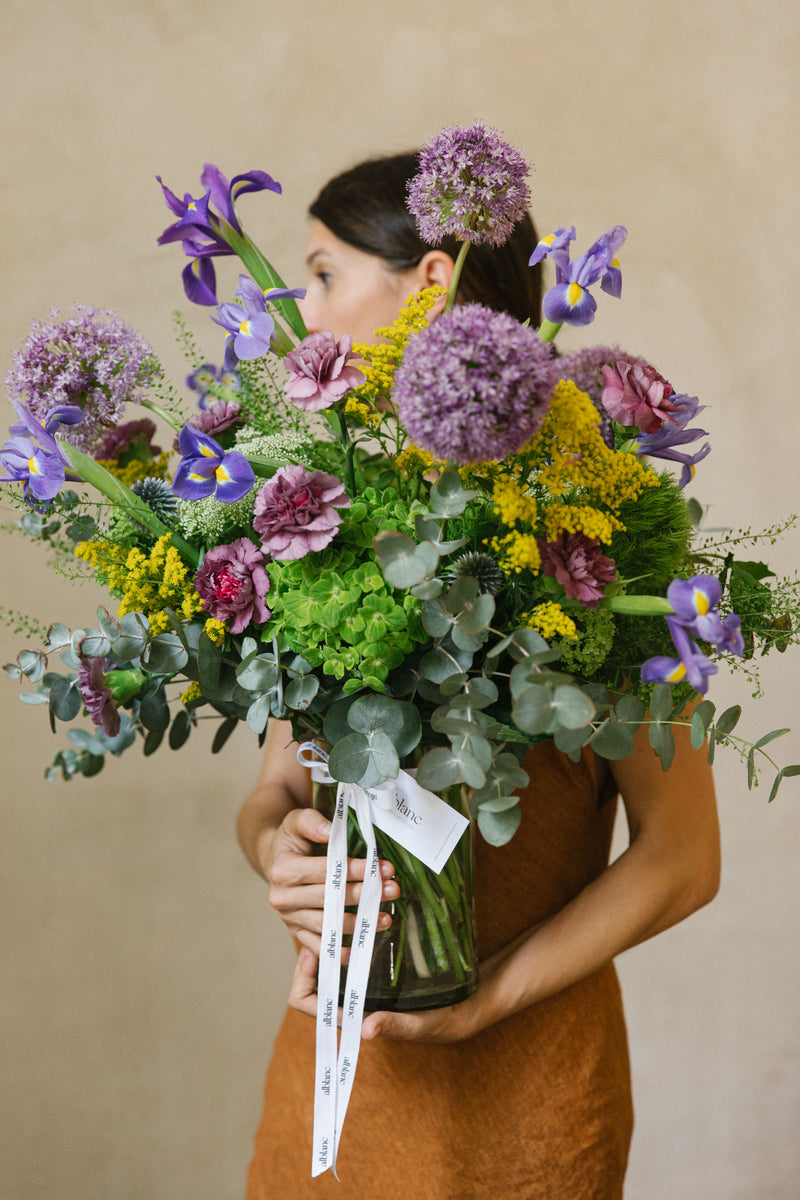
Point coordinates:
[[323, 277]]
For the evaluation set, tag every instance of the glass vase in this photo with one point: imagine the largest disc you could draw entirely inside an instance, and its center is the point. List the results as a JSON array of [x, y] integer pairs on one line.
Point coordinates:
[[427, 958]]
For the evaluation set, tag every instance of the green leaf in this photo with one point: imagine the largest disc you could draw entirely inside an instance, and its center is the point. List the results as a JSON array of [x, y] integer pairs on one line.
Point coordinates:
[[712, 745], [180, 730], [402, 561], [500, 804], [65, 699], [152, 741], [258, 675], [435, 620], [301, 691], [751, 768], [769, 737], [612, 740], [165, 655], [570, 740], [436, 665], [223, 733], [630, 710], [438, 769], [532, 710], [154, 711], [728, 721], [449, 497], [34, 697], [499, 828], [702, 717], [572, 708], [367, 761], [661, 702], [258, 714], [32, 664], [429, 589], [95, 645], [209, 664]]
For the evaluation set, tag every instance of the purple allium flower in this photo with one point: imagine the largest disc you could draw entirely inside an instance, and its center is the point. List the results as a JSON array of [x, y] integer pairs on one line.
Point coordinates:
[[471, 184], [320, 372], [206, 469], [635, 393], [295, 511], [93, 361], [133, 439], [96, 693], [475, 385], [570, 300], [578, 563], [233, 582], [204, 230]]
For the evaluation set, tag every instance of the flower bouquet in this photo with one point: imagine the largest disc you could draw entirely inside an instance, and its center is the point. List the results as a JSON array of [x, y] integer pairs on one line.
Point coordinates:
[[427, 554]]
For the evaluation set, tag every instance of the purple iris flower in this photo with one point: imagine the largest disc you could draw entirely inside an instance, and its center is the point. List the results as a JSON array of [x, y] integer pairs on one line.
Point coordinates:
[[32, 456], [664, 443], [570, 301], [691, 666], [206, 469], [204, 229], [695, 602], [250, 326], [208, 373]]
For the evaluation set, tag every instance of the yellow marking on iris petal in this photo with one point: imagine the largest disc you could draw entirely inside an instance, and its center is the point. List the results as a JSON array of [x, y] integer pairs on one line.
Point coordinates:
[[676, 675], [701, 602], [191, 206], [33, 467], [222, 475], [574, 293], [548, 241], [615, 262], [199, 478], [245, 328], [209, 453]]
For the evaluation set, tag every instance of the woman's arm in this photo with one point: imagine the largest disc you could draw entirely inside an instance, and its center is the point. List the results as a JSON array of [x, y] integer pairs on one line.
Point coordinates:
[[670, 868], [278, 829]]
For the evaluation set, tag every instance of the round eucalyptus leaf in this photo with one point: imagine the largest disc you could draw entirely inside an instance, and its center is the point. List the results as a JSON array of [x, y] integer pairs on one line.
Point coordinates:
[[437, 665], [435, 620], [365, 760], [449, 497], [65, 699], [368, 714], [58, 636], [437, 769], [612, 740], [572, 708], [570, 740], [301, 691], [180, 729], [80, 738], [258, 714], [91, 764], [429, 589], [532, 710], [499, 804], [661, 702], [259, 675], [154, 711], [34, 697], [95, 645], [32, 664], [499, 827], [153, 740], [630, 709]]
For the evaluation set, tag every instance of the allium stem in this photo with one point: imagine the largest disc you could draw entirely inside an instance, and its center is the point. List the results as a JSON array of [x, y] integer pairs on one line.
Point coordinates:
[[174, 422], [456, 276]]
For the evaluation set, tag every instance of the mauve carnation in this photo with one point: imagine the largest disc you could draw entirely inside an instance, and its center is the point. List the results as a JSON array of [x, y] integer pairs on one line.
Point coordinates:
[[215, 418], [475, 385], [579, 565], [634, 393], [319, 371], [233, 582], [97, 695], [295, 511]]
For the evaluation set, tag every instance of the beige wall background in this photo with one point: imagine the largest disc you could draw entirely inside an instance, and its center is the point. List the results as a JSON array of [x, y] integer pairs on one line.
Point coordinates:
[[143, 972]]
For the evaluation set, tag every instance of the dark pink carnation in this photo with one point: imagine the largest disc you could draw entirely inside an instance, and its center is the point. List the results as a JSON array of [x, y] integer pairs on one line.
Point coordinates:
[[635, 394], [233, 582], [579, 565], [319, 371], [128, 438], [295, 511]]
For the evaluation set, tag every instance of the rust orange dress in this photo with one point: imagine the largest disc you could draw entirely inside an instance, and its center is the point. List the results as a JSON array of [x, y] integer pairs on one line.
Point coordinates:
[[535, 1107]]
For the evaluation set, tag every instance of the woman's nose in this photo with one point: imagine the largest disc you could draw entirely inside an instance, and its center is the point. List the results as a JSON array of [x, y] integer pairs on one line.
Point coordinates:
[[309, 314]]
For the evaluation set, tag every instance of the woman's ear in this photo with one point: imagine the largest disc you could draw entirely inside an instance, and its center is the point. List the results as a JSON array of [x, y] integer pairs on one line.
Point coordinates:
[[435, 269]]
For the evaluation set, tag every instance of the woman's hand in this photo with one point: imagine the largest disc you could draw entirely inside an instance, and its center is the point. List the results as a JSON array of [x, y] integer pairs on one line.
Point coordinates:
[[296, 876]]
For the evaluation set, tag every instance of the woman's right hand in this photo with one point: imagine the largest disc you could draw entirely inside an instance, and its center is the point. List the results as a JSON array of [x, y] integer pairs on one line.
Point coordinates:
[[296, 876]]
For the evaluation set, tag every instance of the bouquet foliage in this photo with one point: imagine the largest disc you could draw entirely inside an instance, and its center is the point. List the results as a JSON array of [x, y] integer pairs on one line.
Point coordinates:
[[433, 551]]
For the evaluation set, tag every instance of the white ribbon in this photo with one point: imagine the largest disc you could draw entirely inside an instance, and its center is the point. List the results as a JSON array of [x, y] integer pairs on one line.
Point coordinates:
[[426, 826]]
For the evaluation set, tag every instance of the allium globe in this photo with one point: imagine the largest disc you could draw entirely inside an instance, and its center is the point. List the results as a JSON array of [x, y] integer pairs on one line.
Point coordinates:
[[474, 386]]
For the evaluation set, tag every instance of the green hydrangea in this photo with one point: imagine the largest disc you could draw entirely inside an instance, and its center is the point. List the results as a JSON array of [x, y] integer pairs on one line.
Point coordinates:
[[585, 654]]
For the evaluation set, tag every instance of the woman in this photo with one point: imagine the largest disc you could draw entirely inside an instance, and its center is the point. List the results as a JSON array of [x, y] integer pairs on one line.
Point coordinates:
[[523, 1090]]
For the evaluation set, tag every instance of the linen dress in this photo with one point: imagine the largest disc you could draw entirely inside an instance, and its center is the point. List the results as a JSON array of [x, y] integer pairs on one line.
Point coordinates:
[[537, 1106]]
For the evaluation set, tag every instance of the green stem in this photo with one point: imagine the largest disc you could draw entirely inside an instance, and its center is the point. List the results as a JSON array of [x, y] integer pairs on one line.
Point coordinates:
[[122, 497], [349, 449], [171, 420], [548, 330], [267, 277], [458, 267]]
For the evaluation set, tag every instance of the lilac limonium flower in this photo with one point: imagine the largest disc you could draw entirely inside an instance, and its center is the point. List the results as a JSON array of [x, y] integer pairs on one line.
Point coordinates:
[[570, 301], [233, 582], [31, 455], [665, 442], [206, 469], [250, 326], [320, 371], [471, 184], [474, 386], [295, 511], [204, 224]]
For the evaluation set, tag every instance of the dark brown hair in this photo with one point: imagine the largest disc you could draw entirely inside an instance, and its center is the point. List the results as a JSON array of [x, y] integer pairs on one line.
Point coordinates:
[[366, 208]]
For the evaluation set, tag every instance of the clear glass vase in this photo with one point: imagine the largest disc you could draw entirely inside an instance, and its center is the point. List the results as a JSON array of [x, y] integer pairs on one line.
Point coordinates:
[[427, 958]]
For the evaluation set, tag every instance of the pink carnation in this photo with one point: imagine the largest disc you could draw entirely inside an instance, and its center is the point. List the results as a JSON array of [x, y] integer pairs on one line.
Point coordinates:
[[233, 582], [635, 394], [579, 565], [295, 511], [319, 371]]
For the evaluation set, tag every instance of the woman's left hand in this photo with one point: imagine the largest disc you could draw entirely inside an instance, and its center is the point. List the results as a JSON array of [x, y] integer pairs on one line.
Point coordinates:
[[451, 1024]]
